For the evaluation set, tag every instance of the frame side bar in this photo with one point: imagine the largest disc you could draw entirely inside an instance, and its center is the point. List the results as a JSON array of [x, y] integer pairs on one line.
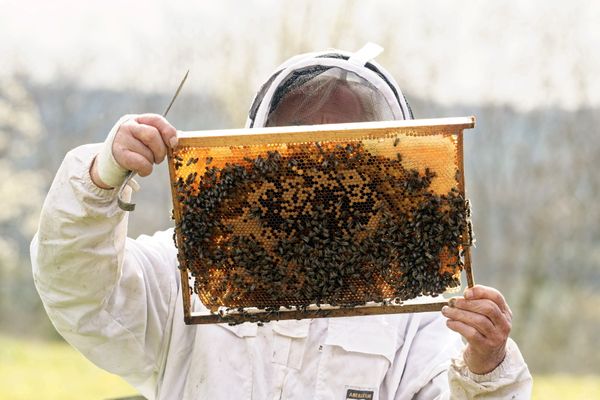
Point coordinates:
[[462, 188], [185, 289]]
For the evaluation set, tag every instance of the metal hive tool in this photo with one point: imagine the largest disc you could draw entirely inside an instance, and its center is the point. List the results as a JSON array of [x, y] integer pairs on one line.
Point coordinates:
[[320, 221]]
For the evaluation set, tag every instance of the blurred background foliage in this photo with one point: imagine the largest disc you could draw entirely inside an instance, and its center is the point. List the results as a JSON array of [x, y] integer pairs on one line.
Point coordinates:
[[527, 71]]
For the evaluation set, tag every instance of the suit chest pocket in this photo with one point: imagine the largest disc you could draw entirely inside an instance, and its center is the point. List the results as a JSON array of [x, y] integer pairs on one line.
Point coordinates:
[[355, 357]]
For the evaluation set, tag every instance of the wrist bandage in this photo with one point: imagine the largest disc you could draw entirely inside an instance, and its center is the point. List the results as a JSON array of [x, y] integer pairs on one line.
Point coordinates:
[[109, 171]]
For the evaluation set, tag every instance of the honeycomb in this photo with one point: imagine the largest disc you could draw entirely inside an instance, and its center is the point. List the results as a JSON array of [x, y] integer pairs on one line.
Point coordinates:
[[339, 222]]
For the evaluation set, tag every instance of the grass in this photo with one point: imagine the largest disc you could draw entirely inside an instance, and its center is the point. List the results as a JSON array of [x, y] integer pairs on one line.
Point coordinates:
[[53, 370], [550, 387]]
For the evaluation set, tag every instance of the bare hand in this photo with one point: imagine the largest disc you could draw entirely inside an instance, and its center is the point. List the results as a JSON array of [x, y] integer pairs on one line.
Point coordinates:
[[483, 318], [139, 143]]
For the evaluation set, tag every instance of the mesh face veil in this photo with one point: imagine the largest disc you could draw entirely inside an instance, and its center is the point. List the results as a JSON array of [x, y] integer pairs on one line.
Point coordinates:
[[329, 87]]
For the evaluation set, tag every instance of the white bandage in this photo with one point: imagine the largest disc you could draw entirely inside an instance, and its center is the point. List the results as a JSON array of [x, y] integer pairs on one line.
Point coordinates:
[[366, 54], [109, 171]]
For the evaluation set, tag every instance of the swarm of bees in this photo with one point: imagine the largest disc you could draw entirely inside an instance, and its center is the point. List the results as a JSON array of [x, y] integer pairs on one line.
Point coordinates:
[[319, 223]]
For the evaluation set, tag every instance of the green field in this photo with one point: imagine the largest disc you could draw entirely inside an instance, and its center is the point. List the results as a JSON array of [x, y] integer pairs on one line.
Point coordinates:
[[53, 370]]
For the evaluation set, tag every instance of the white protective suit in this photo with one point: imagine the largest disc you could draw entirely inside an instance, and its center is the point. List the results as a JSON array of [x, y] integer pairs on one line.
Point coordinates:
[[118, 301]]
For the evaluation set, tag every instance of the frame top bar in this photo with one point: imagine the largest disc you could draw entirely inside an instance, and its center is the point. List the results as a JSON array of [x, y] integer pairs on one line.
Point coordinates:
[[455, 122]]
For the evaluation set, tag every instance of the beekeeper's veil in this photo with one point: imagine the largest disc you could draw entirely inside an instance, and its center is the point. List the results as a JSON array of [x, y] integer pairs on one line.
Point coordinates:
[[303, 85]]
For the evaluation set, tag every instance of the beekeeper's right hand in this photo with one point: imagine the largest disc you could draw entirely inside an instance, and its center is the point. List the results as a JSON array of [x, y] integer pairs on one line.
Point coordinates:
[[135, 143]]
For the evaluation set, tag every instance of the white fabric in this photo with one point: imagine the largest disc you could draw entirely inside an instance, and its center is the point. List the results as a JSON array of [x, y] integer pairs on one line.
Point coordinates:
[[118, 301], [109, 171]]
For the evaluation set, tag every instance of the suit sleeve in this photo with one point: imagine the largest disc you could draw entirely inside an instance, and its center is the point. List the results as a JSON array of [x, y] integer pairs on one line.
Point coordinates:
[[510, 380], [109, 296], [435, 369]]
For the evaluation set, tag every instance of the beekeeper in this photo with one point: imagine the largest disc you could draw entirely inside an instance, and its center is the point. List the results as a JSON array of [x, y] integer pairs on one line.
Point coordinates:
[[118, 300]]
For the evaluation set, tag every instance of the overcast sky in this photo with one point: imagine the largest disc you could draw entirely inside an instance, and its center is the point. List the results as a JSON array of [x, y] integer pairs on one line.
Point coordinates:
[[526, 54]]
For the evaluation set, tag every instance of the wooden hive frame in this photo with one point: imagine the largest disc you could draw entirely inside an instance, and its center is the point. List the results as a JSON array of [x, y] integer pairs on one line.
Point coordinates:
[[318, 133]]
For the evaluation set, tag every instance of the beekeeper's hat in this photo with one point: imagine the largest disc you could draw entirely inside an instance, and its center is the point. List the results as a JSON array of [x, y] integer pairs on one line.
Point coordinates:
[[315, 76]]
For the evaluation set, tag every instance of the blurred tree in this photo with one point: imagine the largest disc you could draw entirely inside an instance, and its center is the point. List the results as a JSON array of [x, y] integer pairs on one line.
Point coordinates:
[[22, 187]]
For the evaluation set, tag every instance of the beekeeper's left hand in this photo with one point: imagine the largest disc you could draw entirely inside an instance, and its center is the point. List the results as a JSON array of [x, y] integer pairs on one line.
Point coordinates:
[[483, 318]]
